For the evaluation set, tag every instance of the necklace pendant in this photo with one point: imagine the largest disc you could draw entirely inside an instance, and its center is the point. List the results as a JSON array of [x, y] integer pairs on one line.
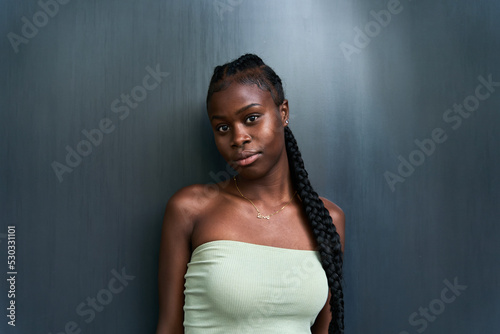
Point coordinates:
[[260, 216]]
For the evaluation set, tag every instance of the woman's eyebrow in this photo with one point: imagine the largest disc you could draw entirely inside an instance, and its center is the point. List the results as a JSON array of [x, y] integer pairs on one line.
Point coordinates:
[[239, 111]]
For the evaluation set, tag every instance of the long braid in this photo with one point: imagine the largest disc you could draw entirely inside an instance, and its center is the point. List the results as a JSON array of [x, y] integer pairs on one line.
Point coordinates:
[[324, 230], [250, 69]]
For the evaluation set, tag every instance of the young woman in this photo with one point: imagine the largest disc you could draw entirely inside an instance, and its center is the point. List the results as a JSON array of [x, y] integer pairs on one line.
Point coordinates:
[[261, 253]]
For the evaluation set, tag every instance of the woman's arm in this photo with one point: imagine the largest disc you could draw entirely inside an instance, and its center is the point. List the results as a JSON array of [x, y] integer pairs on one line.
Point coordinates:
[[175, 252], [325, 316]]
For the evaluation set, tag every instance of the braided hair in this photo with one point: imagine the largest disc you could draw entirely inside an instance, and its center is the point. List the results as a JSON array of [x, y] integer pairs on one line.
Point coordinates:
[[249, 69]]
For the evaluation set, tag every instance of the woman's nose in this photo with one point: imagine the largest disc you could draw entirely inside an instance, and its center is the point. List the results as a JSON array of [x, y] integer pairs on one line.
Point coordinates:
[[240, 136]]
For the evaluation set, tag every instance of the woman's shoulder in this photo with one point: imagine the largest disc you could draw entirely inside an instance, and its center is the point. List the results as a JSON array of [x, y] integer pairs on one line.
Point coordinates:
[[338, 217], [335, 211], [188, 192], [192, 200]]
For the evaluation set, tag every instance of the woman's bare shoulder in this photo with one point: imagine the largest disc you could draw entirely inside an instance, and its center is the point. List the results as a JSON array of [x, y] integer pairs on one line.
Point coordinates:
[[193, 200], [188, 193], [338, 217], [335, 211]]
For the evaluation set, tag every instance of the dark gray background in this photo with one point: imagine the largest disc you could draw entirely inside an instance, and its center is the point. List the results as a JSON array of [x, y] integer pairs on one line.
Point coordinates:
[[352, 119]]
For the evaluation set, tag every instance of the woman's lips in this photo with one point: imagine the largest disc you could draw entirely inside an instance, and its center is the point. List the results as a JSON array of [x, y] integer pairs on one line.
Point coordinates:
[[247, 160]]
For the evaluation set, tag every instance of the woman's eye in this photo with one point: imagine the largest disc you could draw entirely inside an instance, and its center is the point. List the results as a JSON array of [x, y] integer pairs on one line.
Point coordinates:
[[222, 128], [252, 118]]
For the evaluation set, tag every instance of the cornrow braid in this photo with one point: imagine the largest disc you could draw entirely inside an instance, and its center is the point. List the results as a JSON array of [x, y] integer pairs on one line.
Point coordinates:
[[324, 230], [250, 69]]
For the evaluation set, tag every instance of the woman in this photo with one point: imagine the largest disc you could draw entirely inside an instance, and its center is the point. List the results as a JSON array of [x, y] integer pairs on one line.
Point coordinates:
[[262, 253]]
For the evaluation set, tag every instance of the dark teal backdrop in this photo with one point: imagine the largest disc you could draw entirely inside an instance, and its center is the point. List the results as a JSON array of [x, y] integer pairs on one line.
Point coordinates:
[[395, 105]]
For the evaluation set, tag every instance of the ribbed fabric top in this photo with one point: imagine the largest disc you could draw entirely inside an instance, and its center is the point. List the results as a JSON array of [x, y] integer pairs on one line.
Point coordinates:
[[239, 287]]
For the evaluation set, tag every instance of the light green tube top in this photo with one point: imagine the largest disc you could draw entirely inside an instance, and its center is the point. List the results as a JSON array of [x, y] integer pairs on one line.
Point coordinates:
[[238, 287]]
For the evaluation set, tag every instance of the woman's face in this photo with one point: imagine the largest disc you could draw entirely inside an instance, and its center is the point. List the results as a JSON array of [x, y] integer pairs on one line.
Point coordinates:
[[248, 128]]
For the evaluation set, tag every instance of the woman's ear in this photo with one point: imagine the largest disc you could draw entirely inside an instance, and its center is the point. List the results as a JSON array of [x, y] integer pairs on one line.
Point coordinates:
[[284, 112]]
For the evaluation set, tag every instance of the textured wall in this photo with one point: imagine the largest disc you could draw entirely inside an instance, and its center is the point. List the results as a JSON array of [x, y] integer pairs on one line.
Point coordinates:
[[102, 119]]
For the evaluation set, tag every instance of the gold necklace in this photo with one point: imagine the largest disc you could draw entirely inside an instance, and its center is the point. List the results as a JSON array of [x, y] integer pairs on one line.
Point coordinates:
[[260, 215]]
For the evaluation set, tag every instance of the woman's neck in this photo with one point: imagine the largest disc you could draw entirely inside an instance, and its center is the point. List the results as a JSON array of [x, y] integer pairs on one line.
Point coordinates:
[[274, 188]]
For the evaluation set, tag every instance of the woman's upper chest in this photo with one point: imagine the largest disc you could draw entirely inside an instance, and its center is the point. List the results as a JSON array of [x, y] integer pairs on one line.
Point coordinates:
[[224, 219]]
